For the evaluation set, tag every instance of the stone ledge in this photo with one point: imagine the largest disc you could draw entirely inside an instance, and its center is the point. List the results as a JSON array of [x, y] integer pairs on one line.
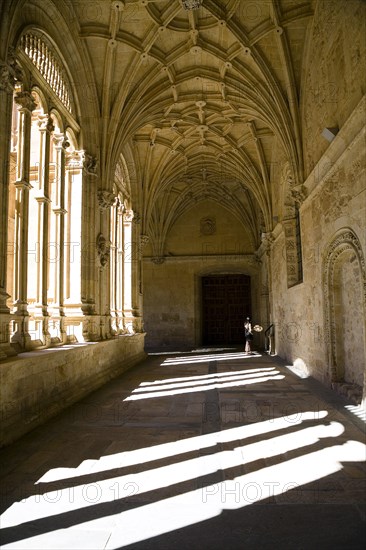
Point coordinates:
[[36, 387]]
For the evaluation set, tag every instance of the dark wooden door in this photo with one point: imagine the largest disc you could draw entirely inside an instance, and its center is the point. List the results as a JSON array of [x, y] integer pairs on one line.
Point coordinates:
[[226, 301]]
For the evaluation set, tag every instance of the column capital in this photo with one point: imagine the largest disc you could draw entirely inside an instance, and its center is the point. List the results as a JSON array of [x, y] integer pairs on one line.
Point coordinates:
[[105, 199], [25, 101], [45, 123], [60, 141], [74, 159], [128, 215], [22, 184]]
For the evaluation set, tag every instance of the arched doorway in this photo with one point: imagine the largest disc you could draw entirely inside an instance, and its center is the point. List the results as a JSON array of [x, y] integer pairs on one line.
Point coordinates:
[[226, 301]]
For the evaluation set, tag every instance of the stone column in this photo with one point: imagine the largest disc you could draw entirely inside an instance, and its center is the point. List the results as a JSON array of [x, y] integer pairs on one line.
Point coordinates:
[[105, 199], [89, 256], [136, 274], [6, 101], [41, 310], [267, 241], [60, 211], [26, 105], [127, 271], [73, 314]]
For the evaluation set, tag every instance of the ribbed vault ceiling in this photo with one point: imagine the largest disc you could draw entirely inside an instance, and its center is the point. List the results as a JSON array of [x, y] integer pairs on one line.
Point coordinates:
[[203, 97]]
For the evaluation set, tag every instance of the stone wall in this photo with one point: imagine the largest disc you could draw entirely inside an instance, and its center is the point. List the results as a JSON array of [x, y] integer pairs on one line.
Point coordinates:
[[37, 385], [320, 323], [333, 80], [172, 290]]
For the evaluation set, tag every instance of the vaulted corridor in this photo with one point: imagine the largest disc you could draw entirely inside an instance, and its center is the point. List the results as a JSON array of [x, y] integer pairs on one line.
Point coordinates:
[[205, 449]]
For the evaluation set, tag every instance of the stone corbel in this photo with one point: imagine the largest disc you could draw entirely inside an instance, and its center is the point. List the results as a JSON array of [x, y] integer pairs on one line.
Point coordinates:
[[25, 101], [299, 194], [103, 250], [10, 72], [105, 199], [267, 241], [90, 164]]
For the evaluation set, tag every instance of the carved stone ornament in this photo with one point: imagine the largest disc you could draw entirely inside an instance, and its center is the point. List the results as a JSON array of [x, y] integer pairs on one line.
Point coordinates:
[[158, 260], [136, 218], [103, 249], [267, 240], [10, 72], [25, 100], [45, 123], [90, 164], [299, 193], [191, 4], [208, 226], [144, 239], [7, 80], [128, 215], [105, 198]]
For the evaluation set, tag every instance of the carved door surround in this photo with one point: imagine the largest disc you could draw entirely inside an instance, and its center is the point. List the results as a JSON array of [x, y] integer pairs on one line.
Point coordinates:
[[343, 248]]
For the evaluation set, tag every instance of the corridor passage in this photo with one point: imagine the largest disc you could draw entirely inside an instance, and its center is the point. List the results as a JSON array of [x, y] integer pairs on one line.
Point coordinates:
[[210, 449]]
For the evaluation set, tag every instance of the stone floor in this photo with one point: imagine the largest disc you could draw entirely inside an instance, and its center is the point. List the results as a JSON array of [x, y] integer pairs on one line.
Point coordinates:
[[200, 450]]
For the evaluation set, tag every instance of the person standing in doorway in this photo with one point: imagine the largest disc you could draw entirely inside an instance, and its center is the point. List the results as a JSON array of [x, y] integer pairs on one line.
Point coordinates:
[[248, 334]]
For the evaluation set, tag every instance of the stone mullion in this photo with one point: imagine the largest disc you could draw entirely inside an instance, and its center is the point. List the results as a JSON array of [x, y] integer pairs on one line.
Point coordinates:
[[44, 201], [6, 99], [22, 185], [122, 268], [127, 272], [60, 212], [119, 269], [116, 221]]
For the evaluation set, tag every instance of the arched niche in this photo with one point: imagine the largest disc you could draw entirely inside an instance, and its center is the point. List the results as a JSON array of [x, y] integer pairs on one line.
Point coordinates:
[[344, 286]]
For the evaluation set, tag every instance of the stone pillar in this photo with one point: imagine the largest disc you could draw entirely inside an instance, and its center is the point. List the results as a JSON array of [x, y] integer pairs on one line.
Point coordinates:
[[105, 200], [127, 271], [136, 274], [89, 256], [26, 105], [267, 241], [41, 310], [6, 101], [59, 212], [73, 314]]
